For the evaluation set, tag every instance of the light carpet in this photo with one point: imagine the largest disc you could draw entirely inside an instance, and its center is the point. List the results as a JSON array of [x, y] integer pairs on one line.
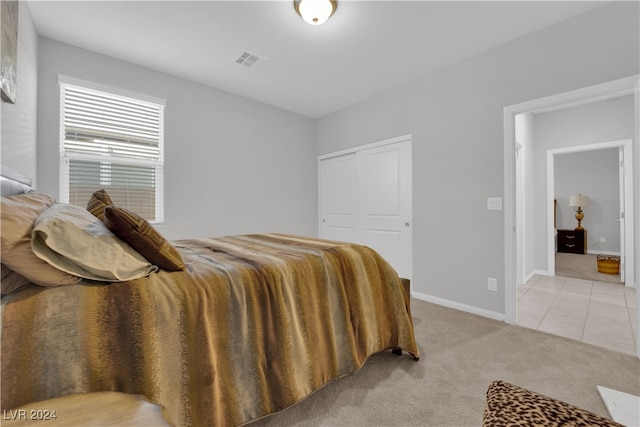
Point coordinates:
[[582, 267], [461, 355]]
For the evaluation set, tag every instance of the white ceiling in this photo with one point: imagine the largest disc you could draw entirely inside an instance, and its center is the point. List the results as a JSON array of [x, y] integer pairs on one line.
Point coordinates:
[[365, 48]]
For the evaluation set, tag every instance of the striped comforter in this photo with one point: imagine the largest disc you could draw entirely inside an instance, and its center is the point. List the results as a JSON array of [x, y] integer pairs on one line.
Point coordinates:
[[255, 324]]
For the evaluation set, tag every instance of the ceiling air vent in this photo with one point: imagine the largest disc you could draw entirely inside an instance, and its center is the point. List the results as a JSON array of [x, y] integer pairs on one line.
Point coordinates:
[[251, 60]]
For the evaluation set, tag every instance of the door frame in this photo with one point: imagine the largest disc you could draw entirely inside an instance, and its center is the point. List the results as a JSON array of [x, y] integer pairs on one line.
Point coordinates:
[[626, 146], [381, 143], [613, 89]]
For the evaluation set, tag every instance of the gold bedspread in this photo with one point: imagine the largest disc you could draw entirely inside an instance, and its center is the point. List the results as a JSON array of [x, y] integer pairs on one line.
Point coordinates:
[[255, 324]]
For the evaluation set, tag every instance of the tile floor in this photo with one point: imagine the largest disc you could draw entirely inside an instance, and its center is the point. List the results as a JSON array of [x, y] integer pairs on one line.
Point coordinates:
[[598, 313]]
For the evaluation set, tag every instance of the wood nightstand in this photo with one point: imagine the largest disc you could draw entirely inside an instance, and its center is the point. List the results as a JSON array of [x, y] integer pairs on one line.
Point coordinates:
[[572, 241]]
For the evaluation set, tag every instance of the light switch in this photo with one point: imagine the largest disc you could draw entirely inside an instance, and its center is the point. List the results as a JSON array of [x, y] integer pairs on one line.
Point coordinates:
[[494, 203]]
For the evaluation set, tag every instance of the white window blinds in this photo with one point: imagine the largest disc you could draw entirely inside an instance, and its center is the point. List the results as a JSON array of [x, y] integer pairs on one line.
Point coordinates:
[[112, 142]]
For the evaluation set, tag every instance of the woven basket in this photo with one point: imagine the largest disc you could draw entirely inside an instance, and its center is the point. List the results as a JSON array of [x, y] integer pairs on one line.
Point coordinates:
[[608, 264]]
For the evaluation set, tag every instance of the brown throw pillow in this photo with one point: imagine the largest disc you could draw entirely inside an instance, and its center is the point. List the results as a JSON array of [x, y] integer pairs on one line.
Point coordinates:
[[98, 201], [141, 236]]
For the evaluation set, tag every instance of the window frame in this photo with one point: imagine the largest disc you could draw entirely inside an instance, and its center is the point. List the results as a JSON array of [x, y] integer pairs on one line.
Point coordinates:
[[65, 157]]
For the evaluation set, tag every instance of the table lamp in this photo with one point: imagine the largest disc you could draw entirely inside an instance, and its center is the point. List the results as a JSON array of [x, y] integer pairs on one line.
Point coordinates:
[[580, 201]]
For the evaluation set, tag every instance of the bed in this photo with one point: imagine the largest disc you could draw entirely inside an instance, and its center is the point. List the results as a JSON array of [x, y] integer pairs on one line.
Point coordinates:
[[250, 325]]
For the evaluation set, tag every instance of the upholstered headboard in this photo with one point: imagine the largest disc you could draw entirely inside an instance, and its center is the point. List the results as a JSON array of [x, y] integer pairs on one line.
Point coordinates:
[[13, 182]]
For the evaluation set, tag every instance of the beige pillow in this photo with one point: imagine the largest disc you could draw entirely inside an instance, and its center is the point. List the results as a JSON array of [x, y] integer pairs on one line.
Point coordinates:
[[11, 281], [18, 213], [98, 201], [72, 239], [141, 235]]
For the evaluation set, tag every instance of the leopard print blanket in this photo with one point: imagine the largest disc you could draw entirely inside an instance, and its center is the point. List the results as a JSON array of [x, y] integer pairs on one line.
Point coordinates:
[[510, 405]]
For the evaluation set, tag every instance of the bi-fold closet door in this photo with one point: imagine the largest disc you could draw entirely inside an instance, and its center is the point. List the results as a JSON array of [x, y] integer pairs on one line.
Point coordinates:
[[365, 198]]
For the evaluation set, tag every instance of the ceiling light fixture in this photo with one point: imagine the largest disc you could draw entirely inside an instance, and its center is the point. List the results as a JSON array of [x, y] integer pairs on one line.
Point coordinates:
[[315, 12]]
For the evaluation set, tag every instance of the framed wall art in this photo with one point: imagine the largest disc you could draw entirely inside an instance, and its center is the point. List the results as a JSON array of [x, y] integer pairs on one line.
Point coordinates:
[[9, 57]]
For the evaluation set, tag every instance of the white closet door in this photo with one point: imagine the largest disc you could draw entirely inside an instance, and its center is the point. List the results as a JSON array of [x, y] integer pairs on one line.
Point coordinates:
[[366, 198], [384, 178], [338, 195]]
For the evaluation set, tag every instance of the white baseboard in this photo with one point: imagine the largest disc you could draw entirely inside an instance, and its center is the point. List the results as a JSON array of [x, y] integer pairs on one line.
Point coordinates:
[[589, 251], [459, 306], [535, 272], [529, 276], [629, 283]]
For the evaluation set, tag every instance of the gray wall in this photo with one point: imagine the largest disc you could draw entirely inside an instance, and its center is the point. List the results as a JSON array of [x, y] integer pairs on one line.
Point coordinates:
[[456, 118], [232, 165], [18, 139], [594, 173], [593, 123]]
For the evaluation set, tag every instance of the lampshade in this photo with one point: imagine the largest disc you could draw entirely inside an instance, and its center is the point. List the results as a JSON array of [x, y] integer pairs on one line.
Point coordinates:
[[579, 200], [315, 12]]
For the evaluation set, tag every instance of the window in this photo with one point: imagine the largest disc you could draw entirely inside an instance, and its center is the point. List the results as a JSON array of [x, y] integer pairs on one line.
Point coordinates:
[[111, 141]]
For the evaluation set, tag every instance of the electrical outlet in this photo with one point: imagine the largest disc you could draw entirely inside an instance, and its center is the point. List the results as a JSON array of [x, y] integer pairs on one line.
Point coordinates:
[[602, 240], [492, 284]]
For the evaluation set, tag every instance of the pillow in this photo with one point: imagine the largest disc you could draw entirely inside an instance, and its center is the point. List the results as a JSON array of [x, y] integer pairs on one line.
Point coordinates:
[[141, 235], [73, 240], [98, 201], [11, 281], [18, 214]]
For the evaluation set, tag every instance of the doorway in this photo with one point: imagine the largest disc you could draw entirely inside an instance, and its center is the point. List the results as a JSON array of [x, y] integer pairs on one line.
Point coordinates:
[[610, 90], [624, 204], [577, 301]]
